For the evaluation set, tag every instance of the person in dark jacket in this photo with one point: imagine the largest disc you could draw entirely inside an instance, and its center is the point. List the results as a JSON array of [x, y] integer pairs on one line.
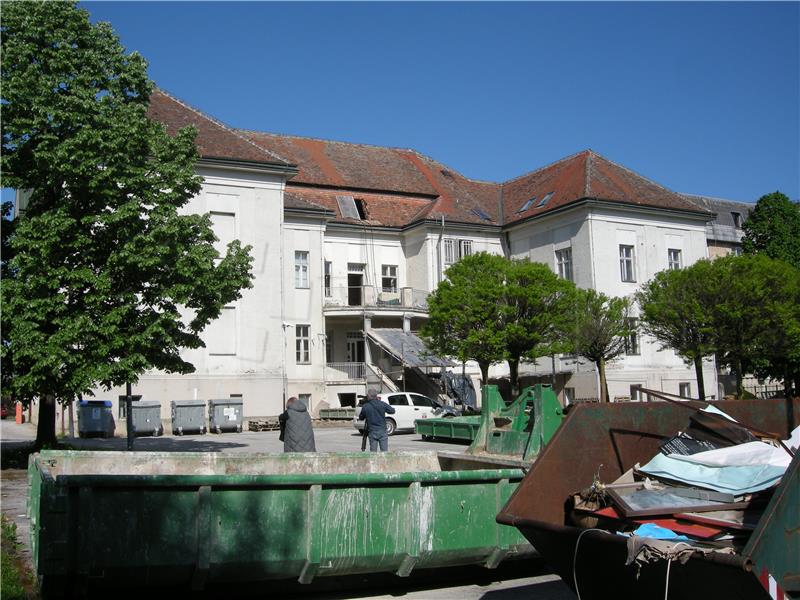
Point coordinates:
[[297, 432], [374, 413]]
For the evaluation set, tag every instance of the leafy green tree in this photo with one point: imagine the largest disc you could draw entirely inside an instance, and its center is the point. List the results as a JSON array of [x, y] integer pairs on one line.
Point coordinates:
[[773, 228], [755, 316], [598, 330], [535, 307], [108, 277], [676, 309], [465, 318]]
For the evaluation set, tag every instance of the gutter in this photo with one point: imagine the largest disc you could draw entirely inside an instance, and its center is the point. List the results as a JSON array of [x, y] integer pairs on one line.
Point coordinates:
[[249, 166]]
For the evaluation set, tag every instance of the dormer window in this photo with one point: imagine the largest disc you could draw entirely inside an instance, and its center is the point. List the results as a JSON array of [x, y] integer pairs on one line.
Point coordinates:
[[737, 219]]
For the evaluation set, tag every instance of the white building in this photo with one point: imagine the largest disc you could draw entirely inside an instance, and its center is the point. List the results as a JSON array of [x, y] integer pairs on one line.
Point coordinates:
[[350, 239]]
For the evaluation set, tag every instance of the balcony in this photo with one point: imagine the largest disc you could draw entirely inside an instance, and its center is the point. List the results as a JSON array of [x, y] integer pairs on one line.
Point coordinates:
[[345, 371], [374, 298]]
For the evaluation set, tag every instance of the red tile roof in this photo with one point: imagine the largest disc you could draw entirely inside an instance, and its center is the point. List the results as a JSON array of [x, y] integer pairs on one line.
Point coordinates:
[[584, 175], [214, 139], [401, 186]]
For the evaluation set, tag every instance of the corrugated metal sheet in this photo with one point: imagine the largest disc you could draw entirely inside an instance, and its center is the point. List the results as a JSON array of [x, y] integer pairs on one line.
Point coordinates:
[[407, 347]]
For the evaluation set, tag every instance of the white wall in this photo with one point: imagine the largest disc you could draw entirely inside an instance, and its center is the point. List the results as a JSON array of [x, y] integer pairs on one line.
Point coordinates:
[[245, 356], [594, 235]]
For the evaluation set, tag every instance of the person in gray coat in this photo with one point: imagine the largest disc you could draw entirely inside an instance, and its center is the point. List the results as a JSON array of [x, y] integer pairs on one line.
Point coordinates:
[[297, 432]]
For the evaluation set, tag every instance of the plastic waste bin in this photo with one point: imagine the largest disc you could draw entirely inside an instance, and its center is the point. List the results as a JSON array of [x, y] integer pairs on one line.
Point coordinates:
[[188, 416], [146, 418], [225, 415], [95, 418]]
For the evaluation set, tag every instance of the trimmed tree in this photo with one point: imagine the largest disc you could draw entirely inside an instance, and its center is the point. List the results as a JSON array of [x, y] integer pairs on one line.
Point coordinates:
[[755, 316], [676, 309], [107, 278], [535, 308], [773, 228], [598, 330], [465, 319]]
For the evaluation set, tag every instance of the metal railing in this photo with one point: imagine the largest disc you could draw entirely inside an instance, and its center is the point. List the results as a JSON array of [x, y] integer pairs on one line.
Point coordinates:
[[345, 371], [374, 297]]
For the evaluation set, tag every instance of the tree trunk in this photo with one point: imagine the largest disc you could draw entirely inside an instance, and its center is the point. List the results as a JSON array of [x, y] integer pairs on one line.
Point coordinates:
[[484, 372], [72, 418], [698, 370], [739, 386], [46, 427], [601, 367], [513, 369]]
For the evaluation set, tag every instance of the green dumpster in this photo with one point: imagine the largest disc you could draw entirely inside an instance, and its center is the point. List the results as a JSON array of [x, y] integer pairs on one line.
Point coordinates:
[[449, 428], [187, 519]]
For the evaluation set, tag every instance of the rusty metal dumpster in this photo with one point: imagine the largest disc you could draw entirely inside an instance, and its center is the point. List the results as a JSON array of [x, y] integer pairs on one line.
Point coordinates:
[[185, 519], [612, 438]]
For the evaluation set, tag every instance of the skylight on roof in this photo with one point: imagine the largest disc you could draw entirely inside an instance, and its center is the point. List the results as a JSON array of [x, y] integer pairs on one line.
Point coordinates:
[[478, 212], [347, 207], [544, 200], [526, 206]]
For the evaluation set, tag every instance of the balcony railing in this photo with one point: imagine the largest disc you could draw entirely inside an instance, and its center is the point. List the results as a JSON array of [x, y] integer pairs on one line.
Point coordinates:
[[374, 297], [345, 371]]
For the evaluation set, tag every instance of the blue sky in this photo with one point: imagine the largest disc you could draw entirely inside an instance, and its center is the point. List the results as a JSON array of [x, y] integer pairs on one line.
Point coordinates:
[[701, 97]]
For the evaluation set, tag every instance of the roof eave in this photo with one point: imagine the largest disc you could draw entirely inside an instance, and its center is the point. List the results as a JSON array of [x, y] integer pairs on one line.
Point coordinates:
[[699, 215], [250, 166]]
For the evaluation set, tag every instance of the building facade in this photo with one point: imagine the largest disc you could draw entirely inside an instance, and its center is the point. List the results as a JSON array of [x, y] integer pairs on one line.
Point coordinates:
[[350, 239]]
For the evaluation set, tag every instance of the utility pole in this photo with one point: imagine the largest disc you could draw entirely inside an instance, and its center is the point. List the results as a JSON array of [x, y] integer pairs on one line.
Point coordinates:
[[129, 415]]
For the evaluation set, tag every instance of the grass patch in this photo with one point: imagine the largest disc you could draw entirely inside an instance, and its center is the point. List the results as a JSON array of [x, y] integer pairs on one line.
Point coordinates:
[[17, 580]]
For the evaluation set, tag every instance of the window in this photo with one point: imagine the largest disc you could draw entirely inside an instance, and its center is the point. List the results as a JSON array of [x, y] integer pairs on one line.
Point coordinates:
[[300, 269], [328, 271], [569, 396], [482, 214], [626, 270], [305, 399], [674, 259], [421, 400], [632, 341], [455, 250], [544, 200], [302, 345], [685, 389], [564, 263], [636, 392], [526, 206], [737, 219], [389, 278], [398, 400], [737, 251]]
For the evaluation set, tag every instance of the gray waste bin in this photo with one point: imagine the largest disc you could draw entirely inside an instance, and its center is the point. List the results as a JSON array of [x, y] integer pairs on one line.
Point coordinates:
[[95, 418], [225, 415], [188, 416], [146, 418]]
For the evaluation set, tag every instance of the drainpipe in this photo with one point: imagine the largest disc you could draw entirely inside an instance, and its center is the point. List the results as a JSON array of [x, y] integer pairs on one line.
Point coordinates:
[[439, 253]]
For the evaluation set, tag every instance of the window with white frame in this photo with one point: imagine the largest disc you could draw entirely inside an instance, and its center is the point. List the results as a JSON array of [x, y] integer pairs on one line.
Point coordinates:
[[564, 263], [454, 250], [305, 399], [632, 340], [636, 392], [626, 263], [302, 344], [685, 389], [674, 259], [301, 269], [327, 276], [389, 278]]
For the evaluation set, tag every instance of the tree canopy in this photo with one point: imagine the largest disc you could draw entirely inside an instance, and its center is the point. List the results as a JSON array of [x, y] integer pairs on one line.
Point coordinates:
[[676, 311], [109, 277], [465, 312], [773, 228], [598, 329], [491, 309]]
